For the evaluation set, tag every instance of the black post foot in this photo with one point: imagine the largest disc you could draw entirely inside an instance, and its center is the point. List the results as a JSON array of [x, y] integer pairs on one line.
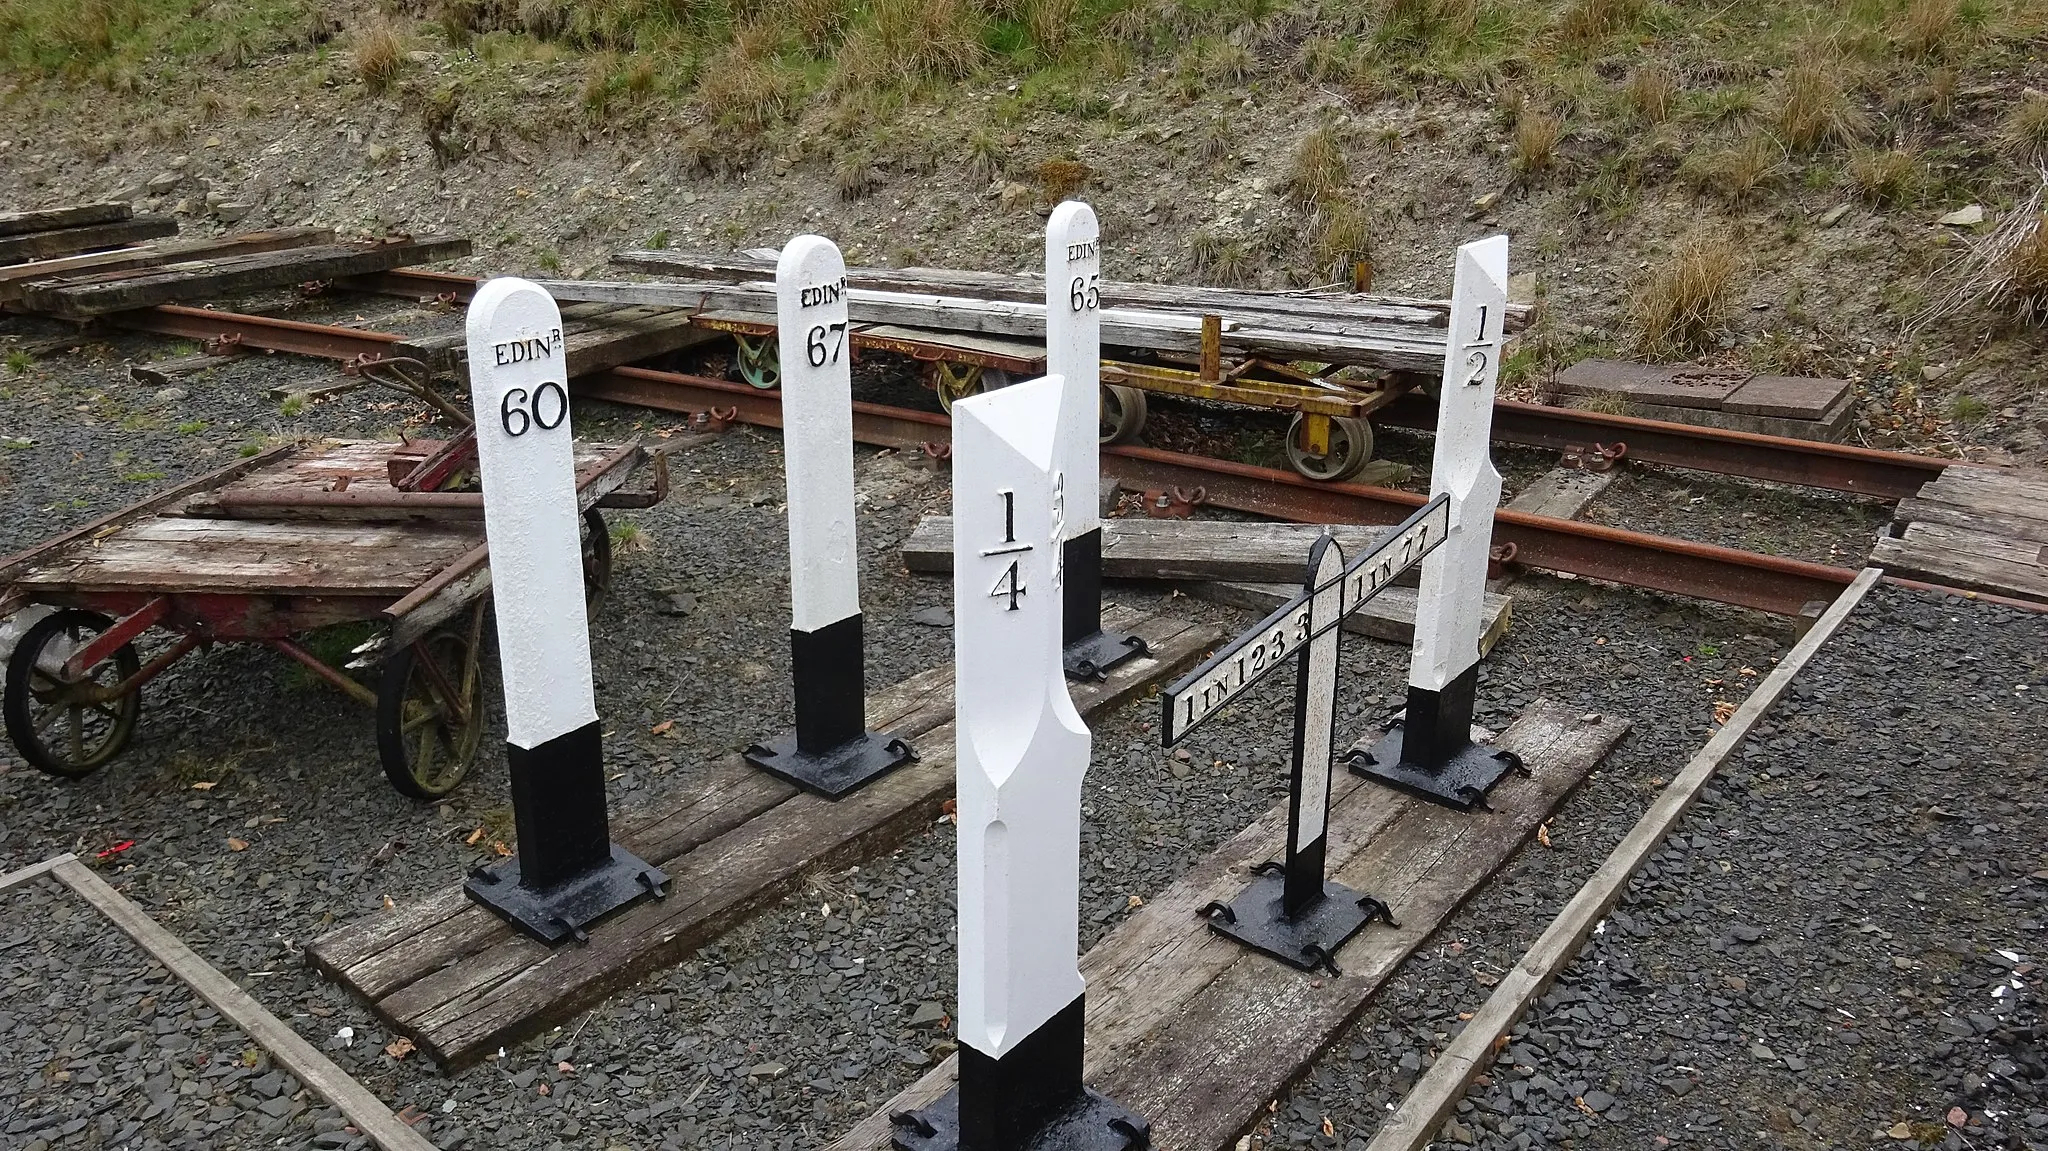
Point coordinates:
[[1258, 919], [567, 908], [1460, 781], [1093, 1122], [1092, 656], [835, 771]]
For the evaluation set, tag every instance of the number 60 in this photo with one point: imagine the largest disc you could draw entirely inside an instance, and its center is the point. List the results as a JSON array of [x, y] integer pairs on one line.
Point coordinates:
[[535, 411]]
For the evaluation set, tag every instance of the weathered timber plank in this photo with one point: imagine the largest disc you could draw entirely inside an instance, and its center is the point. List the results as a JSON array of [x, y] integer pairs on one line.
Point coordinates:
[[1390, 615], [14, 277], [286, 1046], [2011, 522], [1561, 493], [1030, 287], [444, 963], [90, 237], [1197, 1033], [73, 216], [1175, 549], [1430, 1101], [237, 274], [1982, 482], [1967, 560]]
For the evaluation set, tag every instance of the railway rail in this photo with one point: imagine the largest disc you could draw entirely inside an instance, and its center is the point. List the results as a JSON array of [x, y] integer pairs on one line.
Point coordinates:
[[1772, 584]]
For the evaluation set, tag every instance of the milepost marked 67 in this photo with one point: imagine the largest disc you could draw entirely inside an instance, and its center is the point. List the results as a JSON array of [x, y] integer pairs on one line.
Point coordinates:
[[1227, 674]]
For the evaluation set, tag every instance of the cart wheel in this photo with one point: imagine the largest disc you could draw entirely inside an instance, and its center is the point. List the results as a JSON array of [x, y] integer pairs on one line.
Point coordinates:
[[430, 712], [1123, 413], [760, 361], [55, 723], [958, 381], [1350, 448], [597, 559]]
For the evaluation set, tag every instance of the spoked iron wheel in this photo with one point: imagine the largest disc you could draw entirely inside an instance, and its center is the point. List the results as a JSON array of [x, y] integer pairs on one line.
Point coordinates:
[[597, 559], [958, 381], [1349, 449], [430, 710], [69, 727], [759, 360], [1123, 414]]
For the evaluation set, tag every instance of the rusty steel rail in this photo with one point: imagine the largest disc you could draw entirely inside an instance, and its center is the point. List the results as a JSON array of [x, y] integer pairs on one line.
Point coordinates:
[[1659, 563], [1807, 463], [266, 332]]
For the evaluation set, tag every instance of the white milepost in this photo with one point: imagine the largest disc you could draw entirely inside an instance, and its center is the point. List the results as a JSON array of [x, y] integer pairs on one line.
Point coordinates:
[[1022, 752], [1436, 757], [831, 752], [1073, 352], [567, 873]]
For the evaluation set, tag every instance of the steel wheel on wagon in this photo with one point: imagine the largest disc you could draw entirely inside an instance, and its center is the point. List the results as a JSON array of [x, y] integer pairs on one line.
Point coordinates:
[[64, 726], [430, 710], [1350, 448], [759, 359]]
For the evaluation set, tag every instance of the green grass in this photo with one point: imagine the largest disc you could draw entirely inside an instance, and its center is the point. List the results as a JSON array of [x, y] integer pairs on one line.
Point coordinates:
[[292, 405], [191, 427], [110, 41], [142, 477], [19, 362]]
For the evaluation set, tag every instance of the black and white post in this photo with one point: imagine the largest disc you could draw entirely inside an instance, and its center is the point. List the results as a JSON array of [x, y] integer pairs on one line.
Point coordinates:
[[1022, 752], [568, 873], [831, 752], [1431, 753], [1292, 911], [1073, 352]]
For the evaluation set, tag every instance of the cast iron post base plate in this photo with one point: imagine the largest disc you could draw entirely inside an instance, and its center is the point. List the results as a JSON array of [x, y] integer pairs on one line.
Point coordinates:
[[1094, 1122], [1461, 781], [1091, 656], [1257, 919], [568, 909], [837, 770]]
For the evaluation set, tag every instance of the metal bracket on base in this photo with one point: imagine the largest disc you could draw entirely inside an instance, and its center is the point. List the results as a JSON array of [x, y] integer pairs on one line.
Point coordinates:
[[569, 908], [1258, 919], [1092, 656], [1460, 781], [1093, 1122], [835, 771]]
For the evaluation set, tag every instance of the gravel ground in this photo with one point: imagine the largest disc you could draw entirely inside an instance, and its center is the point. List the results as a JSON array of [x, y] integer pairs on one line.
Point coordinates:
[[1839, 946], [1806, 524], [797, 1023]]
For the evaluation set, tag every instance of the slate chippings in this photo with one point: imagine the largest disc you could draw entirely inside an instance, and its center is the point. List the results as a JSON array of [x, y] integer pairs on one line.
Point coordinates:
[[1840, 945]]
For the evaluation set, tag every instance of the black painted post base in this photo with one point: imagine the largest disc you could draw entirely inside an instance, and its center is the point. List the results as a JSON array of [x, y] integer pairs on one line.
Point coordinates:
[[1089, 651], [1258, 919], [1029, 1099], [568, 909], [1429, 752], [568, 874], [836, 771]]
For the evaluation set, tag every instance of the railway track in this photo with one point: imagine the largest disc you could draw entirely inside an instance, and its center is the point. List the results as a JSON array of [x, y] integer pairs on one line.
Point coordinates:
[[1772, 584]]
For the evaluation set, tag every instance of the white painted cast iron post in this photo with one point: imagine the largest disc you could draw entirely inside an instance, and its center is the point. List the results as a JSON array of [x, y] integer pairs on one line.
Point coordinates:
[[831, 752], [1022, 752], [567, 873], [1437, 758], [1073, 352]]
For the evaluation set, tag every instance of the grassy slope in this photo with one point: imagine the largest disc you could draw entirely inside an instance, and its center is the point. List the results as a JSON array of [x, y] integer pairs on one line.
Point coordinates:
[[1690, 148]]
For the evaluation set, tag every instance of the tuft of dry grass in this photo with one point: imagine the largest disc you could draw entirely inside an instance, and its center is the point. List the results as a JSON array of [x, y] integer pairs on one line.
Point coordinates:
[[744, 87], [1343, 235], [1536, 135], [2023, 271], [1888, 177], [854, 176], [1736, 172], [1220, 260], [1926, 27], [1683, 307], [1938, 94], [2005, 270], [986, 155], [2025, 131], [1591, 21], [818, 23], [1651, 92], [1815, 106], [379, 54], [1320, 173], [1062, 179], [1212, 142], [1050, 22], [908, 41], [1449, 21]]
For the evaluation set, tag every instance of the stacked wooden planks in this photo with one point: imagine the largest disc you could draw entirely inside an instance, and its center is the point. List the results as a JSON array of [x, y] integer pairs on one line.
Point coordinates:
[[54, 232], [1388, 332], [1981, 529], [461, 983], [96, 293], [594, 337], [15, 278]]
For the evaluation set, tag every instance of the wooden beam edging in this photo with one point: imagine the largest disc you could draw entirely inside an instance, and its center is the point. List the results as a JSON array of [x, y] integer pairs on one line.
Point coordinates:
[[291, 1051], [34, 869], [1422, 1112]]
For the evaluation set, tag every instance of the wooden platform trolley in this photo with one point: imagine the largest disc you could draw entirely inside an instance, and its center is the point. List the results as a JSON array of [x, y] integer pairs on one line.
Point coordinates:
[[287, 542], [1329, 438]]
